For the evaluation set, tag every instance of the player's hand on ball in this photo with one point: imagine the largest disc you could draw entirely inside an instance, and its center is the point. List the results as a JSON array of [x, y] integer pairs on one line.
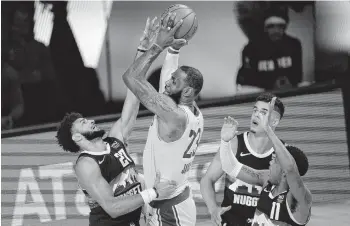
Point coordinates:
[[149, 34], [165, 187], [216, 214], [229, 129], [179, 45], [165, 36]]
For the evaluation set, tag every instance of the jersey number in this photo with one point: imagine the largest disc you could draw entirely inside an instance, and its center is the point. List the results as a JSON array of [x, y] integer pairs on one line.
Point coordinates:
[[190, 152], [275, 211], [123, 158]]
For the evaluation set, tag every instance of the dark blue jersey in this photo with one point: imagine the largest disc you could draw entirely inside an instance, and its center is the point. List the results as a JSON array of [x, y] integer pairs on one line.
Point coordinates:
[[117, 168]]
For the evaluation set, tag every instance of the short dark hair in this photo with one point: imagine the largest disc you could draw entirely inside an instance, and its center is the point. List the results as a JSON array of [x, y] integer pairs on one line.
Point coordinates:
[[194, 78], [267, 97], [300, 159], [64, 134]]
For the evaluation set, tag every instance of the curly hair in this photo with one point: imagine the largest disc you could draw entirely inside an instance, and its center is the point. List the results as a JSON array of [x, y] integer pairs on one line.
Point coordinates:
[[267, 97], [64, 134], [300, 158]]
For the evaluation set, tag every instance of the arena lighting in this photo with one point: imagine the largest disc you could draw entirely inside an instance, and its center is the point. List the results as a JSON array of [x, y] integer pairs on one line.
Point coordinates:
[[81, 22]]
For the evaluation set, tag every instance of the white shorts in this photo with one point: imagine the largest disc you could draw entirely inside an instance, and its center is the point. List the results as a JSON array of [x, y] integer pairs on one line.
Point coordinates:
[[173, 213]]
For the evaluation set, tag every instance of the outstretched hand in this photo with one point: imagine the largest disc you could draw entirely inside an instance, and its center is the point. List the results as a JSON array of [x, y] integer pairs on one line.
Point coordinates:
[[229, 129], [149, 34], [165, 36], [267, 120]]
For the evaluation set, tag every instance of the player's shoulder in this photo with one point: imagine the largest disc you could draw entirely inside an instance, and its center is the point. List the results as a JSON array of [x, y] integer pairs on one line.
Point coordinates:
[[85, 163]]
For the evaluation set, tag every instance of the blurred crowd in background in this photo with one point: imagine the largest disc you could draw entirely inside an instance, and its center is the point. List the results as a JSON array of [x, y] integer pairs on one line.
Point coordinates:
[[39, 83]]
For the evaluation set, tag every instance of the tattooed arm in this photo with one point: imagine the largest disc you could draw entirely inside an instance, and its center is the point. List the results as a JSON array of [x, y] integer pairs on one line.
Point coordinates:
[[161, 105], [288, 165], [123, 127], [234, 168]]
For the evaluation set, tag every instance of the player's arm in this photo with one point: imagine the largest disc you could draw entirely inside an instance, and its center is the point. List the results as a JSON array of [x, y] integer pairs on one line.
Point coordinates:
[[171, 63], [90, 179], [208, 181], [123, 127], [288, 165], [234, 168], [160, 104]]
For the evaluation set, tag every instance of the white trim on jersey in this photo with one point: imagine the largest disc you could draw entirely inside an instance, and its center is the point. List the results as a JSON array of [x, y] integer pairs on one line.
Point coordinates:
[[270, 193], [99, 153], [269, 152], [291, 215]]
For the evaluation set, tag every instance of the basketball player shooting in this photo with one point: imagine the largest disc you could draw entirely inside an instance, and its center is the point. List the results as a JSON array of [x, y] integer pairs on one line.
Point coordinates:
[[104, 169], [284, 200], [176, 129]]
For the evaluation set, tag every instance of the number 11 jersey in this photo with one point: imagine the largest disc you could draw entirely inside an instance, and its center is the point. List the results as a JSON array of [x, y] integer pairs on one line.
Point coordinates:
[[172, 159]]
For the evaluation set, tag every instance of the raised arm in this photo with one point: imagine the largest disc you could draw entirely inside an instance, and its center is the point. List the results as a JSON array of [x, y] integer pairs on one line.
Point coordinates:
[[287, 163], [123, 127], [171, 64], [229, 162], [134, 78], [90, 178]]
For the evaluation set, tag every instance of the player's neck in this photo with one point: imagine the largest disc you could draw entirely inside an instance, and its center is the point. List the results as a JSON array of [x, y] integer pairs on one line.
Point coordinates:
[[259, 143], [97, 145], [186, 102]]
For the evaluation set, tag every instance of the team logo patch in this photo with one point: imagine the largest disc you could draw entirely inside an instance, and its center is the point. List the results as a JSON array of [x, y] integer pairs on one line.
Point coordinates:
[[115, 144], [280, 198]]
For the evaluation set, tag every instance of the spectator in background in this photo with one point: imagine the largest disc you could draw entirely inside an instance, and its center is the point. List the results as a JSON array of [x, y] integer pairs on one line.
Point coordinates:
[[274, 61], [32, 60], [12, 105]]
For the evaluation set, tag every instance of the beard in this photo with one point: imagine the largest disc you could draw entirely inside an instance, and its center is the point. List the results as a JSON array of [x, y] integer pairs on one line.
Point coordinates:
[[94, 134], [176, 97]]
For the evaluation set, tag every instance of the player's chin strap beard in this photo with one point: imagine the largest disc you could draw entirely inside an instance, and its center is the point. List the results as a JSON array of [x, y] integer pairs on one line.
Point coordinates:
[[93, 135]]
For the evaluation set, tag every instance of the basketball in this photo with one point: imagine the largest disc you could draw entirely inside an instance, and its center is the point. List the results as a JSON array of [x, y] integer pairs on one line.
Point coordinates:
[[190, 22]]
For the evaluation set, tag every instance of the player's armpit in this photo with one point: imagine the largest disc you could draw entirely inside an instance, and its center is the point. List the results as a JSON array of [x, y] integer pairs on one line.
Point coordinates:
[[298, 189], [253, 176], [90, 179]]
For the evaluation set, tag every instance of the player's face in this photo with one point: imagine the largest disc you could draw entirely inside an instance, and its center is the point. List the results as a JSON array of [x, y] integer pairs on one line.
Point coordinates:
[[275, 170], [175, 85], [83, 125], [275, 31], [260, 110], [87, 128]]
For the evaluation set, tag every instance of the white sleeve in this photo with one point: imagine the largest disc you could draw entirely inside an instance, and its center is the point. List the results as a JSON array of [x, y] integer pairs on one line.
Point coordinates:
[[229, 162], [171, 63]]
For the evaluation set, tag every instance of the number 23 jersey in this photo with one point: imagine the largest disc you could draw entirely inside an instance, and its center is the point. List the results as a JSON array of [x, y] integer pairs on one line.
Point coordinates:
[[172, 159]]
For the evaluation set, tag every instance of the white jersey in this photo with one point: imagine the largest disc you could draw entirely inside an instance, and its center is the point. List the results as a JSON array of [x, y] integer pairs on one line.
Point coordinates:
[[172, 159]]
